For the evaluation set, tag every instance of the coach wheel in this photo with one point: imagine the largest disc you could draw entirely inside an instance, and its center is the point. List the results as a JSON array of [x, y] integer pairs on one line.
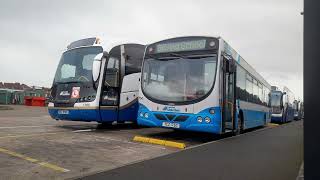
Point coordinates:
[[239, 129], [104, 125]]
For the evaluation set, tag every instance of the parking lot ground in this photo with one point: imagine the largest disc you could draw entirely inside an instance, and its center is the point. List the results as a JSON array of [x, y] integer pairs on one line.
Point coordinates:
[[34, 146], [270, 153]]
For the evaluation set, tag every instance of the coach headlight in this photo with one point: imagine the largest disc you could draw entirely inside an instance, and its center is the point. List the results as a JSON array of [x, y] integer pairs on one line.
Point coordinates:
[[146, 115], [207, 120], [199, 119], [141, 114]]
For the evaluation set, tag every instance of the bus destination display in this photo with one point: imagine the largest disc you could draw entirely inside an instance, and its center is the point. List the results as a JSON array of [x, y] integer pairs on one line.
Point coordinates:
[[181, 46]]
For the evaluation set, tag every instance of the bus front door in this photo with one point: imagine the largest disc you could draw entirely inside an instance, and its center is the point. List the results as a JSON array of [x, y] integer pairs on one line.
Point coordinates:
[[228, 105], [110, 88]]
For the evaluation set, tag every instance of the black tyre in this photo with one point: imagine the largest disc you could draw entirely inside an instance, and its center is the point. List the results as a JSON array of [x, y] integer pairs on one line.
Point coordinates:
[[239, 129]]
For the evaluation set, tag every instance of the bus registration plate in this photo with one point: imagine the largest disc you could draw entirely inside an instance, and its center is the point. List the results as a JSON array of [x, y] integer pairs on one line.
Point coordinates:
[[63, 112], [172, 125]]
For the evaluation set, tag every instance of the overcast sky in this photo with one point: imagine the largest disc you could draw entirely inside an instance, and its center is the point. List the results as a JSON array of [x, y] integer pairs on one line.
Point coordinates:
[[267, 34]]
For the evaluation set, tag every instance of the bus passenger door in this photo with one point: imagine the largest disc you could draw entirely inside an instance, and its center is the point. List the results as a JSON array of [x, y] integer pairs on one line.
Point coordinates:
[[110, 91], [228, 95]]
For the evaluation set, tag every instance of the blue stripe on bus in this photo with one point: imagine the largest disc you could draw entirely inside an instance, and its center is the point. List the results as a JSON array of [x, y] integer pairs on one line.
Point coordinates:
[[76, 115], [251, 119], [107, 115], [289, 117], [276, 119], [254, 118]]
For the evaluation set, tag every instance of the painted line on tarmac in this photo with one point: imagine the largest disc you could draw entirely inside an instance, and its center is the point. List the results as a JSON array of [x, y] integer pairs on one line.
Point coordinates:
[[43, 134], [43, 164], [13, 127], [27, 135], [83, 130]]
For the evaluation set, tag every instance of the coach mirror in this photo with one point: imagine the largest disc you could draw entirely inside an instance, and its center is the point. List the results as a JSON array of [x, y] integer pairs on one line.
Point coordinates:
[[229, 62]]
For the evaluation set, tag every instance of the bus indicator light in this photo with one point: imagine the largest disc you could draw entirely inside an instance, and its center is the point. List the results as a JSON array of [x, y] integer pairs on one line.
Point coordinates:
[[207, 120]]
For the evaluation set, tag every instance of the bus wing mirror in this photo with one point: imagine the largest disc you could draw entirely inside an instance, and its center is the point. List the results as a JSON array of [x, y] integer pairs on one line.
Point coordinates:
[[96, 67], [229, 65], [232, 66]]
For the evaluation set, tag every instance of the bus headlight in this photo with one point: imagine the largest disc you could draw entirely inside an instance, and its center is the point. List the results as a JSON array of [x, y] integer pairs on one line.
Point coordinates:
[[146, 115], [207, 120], [211, 111], [141, 114], [199, 119]]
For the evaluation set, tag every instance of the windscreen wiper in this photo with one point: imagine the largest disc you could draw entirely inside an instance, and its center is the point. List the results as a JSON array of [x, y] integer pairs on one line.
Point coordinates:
[[178, 55]]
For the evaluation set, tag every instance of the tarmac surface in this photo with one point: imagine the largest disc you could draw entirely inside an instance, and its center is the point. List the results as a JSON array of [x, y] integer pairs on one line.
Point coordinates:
[[270, 153], [34, 146]]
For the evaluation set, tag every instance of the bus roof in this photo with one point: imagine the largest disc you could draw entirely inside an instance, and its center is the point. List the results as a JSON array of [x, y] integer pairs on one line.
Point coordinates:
[[244, 63]]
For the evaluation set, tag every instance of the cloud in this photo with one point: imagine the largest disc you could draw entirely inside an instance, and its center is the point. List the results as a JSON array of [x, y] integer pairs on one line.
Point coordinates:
[[268, 34]]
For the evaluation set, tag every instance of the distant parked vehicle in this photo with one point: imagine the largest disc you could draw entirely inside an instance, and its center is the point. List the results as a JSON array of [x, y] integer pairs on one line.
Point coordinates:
[[297, 106], [281, 102]]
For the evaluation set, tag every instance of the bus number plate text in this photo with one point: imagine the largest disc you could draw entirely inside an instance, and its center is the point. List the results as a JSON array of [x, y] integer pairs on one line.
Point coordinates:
[[172, 125], [63, 112]]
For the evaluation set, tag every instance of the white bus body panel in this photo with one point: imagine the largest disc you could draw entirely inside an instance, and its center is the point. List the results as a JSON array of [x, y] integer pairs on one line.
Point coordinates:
[[130, 89]]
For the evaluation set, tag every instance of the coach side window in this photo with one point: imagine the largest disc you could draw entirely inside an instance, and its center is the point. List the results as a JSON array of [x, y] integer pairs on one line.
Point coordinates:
[[255, 91], [267, 96], [241, 83], [249, 88], [133, 59], [260, 93]]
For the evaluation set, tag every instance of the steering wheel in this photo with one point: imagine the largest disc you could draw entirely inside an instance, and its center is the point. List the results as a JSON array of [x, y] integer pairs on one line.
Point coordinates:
[[83, 77]]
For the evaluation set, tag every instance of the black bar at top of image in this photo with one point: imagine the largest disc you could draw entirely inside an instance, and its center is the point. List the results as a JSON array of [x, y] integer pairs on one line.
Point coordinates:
[[311, 80]]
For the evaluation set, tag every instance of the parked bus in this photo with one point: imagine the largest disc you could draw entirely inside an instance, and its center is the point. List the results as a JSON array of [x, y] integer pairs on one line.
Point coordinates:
[[201, 83], [302, 110], [282, 105], [297, 109], [91, 84]]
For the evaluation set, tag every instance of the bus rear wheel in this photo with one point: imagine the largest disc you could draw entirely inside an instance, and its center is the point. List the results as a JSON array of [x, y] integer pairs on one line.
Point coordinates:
[[239, 129]]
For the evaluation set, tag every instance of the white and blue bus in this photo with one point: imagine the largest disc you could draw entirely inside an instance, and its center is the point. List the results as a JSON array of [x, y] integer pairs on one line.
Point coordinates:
[[201, 84], [91, 84], [281, 102], [297, 110]]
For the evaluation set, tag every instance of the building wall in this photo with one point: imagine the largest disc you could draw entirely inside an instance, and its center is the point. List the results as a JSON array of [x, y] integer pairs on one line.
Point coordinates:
[[5, 97], [8, 96]]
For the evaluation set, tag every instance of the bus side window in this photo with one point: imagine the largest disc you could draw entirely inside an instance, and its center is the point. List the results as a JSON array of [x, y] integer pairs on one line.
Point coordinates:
[[112, 73], [249, 88], [241, 83], [133, 58]]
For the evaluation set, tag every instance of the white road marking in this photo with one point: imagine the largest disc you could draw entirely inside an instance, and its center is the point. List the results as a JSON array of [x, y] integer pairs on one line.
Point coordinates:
[[83, 130], [13, 127]]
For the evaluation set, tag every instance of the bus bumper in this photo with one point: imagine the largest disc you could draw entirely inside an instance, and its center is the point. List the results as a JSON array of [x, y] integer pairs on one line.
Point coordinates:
[[190, 123], [75, 114], [277, 118]]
